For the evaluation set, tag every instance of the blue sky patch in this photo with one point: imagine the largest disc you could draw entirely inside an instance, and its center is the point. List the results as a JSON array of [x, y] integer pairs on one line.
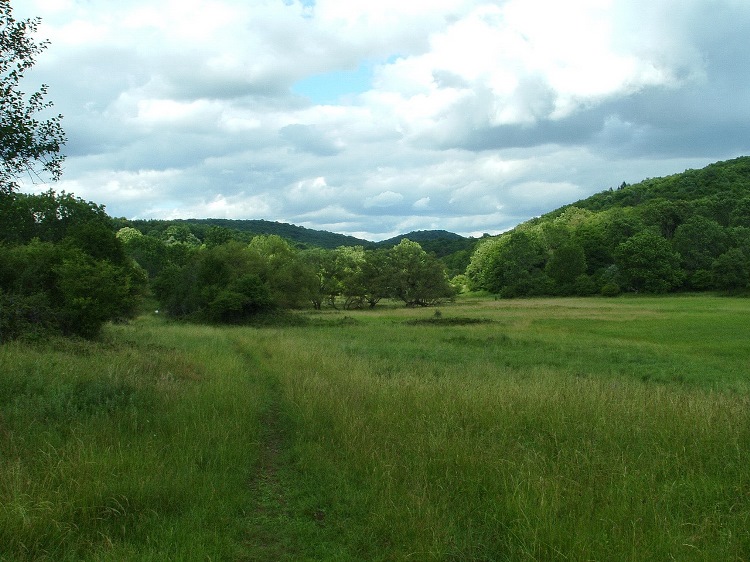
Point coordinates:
[[331, 87]]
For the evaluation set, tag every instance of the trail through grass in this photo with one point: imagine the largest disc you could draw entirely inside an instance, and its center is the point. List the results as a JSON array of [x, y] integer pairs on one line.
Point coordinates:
[[578, 429]]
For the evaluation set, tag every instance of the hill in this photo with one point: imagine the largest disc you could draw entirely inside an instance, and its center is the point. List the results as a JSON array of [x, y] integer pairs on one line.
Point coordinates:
[[687, 231], [422, 236], [721, 184], [300, 235]]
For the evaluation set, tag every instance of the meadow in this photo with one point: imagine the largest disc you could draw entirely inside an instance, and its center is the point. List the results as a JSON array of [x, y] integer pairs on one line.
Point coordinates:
[[534, 429]]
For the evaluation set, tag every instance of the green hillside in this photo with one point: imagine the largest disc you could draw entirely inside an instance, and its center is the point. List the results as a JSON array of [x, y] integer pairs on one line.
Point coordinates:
[[719, 184], [684, 232], [246, 229]]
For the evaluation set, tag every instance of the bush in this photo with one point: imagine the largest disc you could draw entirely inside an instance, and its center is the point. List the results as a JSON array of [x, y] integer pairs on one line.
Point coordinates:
[[50, 287], [610, 290]]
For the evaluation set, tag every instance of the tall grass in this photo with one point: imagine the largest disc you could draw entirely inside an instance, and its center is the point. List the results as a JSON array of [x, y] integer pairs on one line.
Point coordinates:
[[137, 448], [525, 438], [578, 429]]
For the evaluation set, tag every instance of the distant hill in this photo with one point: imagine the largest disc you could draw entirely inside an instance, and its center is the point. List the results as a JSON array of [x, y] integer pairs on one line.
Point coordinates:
[[300, 235], [440, 242], [422, 236], [452, 249]]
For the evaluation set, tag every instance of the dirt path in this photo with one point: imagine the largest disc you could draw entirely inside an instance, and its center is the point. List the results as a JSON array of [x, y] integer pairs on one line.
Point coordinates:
[[278, 527], [267, 536]]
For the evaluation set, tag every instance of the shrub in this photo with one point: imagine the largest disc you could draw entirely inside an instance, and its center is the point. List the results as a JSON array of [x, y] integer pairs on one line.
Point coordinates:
[[610, 290]]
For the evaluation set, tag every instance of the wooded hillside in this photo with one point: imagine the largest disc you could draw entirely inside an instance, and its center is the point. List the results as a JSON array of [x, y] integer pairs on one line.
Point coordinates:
[[688, 231]]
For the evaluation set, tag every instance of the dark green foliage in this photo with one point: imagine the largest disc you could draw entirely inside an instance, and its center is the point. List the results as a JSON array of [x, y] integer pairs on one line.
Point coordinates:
[[516, 268], [56, 288], [648, 264], [151, 254], [93, 291], [50, 217], [610, 289], [440, 321], [660, 235], [565, 265], [699, 242], [375, 274], [731, 270], [723, 181], [425, 238], [217, 235], [62, 269], [220, 284]]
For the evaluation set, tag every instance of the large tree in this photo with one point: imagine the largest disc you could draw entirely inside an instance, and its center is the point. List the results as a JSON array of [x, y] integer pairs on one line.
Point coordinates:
[[29, 143], [648, 263], [416, 277]]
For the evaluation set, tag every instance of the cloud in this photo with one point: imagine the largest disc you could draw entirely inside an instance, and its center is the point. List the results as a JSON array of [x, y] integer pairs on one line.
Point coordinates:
[[309, 138], [384, 199], [467, 115], [422, 204]]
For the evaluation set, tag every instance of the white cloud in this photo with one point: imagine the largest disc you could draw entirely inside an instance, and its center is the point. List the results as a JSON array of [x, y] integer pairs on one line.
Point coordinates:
[[422, 204], [384, 199], [316, 189]]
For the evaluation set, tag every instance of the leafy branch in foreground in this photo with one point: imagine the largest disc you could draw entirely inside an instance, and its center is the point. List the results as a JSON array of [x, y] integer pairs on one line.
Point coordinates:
[[28, 145]]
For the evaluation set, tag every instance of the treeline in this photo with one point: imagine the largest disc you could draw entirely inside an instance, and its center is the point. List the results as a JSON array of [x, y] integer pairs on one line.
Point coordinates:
[[66, 267], [452, 249], [223, 279], [245, 230], [62, 269], [687, 232]]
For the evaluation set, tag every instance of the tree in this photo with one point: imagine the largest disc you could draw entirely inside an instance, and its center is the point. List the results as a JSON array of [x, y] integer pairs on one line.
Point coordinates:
[[481, 260], [375, 276], [665, 215], [27, 145], [291, 281], [349, 263], [60, 288], [150, 253], [517, 267], [731, 270], [416, 277], [219, 284], [648, 263], [699, 242], [565, 265]]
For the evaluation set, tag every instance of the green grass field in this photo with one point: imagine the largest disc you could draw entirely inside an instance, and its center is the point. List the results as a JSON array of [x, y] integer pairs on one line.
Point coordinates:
[[555, 429]]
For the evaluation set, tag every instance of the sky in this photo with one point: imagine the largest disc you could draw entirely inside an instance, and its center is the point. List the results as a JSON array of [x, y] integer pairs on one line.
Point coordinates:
[[377, 118]]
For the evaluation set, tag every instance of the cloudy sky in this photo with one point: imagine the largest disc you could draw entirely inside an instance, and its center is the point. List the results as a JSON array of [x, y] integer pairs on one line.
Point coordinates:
[[374, 118]]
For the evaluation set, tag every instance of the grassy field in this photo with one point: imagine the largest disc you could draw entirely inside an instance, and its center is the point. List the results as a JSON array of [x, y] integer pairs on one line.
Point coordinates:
[[557, 429]]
